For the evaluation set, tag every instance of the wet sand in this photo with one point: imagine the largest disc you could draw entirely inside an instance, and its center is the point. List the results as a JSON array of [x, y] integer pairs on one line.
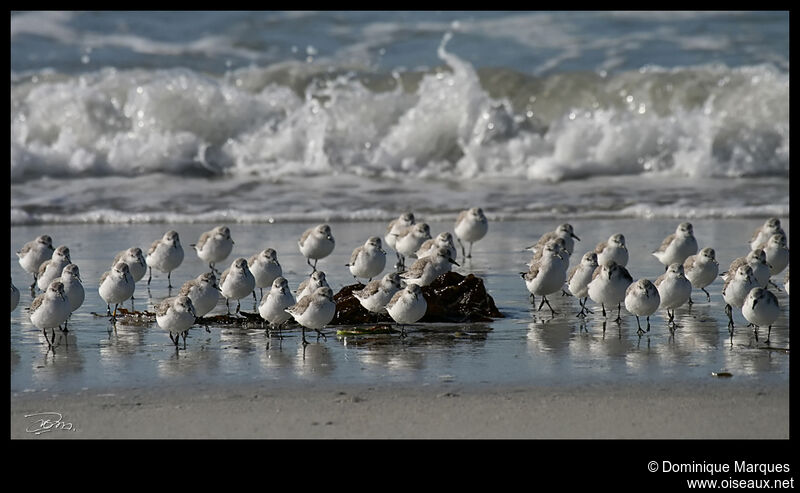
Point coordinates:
[[717, 410]]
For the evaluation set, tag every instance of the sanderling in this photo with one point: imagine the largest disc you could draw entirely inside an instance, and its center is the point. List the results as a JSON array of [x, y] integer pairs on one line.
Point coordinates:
[[316, 243], [410, 239], [314, 311], [677, 246], [165, 254], [760, 308], [34, 253], [612, 250], [471, 225], [203, 291], [770, 227], [786, 282], [642, 300], [608, 285], [443, 239], [73, 287], [136, 264], [368, 260], [397, 226], [214, 245], [273, 306], [578, 280], [116, 286], [547, 275], [561, 247], [701, 269], [424, 270], [135, 260], [376, 294], [316, 280], [236, 282], [735, 290], [14, 296], [674, 289], [50, 309], [176, 315], [757, 259], [564, 231], [265, 268], [50, 270], [777, 253], [407, 306]]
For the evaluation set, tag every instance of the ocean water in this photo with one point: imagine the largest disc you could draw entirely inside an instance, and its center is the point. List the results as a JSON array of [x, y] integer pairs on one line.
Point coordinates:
[[252, 117], [127, 124]]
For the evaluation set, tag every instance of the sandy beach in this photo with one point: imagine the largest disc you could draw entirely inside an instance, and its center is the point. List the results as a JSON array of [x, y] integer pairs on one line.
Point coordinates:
[[716, 411]]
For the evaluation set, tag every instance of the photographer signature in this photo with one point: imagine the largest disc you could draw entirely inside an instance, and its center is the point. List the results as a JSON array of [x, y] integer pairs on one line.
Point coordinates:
[[46, 422]]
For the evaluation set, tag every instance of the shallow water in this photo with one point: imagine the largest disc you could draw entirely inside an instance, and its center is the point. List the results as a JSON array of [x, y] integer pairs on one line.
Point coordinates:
[[526, 347]]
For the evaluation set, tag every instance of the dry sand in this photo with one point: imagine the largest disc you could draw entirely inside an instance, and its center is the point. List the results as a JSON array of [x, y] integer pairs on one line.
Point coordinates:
[[718, 409]]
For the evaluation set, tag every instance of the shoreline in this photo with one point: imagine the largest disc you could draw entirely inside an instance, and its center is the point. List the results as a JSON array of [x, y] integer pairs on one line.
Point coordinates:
[[716, 410]]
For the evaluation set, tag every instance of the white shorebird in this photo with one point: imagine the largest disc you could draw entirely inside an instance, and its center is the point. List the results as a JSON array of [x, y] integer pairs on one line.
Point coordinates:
[[677, 246], [203, 291], [642, 300], [214, 246], [735, 290], [136, 264], [265, 268], [407, 306], [547, 275], [409, 240], [424, 270], [397, 226], [165, 254], [578, 280], [314, 311], [757, 259], [73, 287], [777, 253], [561, 247], [761, 308], [368, 260], [34, 253], [701, 269], [236, 283], [786, 282], [316, 243], [564, 231], [612, 250], [770, 227], [376, 294], [116, 286], [176, 315], [50, 270], [14, 296], [317, 279], [50, 309], [608, 286], [443, 239], [674, 290], [471, 226], [273, 306]]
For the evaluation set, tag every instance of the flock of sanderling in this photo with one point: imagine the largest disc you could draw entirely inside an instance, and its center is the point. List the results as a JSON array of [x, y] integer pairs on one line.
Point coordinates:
[[397, 293], [601, 276]]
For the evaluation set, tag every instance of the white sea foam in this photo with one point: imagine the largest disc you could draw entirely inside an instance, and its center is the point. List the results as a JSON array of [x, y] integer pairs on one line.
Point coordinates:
[[701, 121]]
